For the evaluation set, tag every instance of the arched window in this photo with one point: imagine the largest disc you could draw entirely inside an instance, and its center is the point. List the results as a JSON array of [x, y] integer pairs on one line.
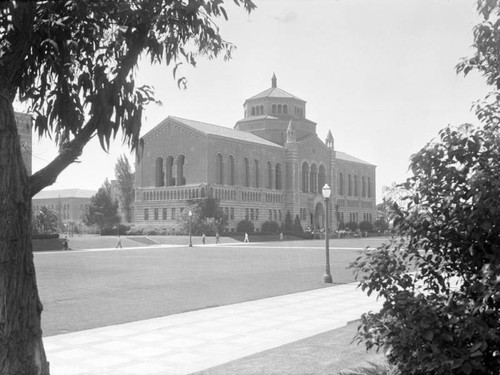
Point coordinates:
[[341, 184], [321, 178], [305, 177], [356, 191], [180, 170], [269, 175], [274, 108], [363, 186], [253, 111], [230, 171], [257, 173], [247, 172], [257, 110], [279, 108], [219, 170], [169, 180], [285, 108], [349, 185], [278, 177], [261, 109], [159, 181], [314, 179], [369, 187]]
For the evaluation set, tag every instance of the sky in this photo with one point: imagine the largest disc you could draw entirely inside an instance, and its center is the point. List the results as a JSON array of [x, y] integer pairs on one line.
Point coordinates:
[[379, 74]]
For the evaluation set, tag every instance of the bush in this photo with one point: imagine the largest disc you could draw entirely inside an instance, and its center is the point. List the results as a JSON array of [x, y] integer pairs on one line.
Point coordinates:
[[297, 226], [381, 225], [439, 277], [352, 226], [270, 227], [112, 230], [366, 226], [245, 226], [44, 236]]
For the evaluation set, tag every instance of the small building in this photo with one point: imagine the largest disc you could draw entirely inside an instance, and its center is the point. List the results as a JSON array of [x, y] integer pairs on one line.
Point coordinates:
[[271, 163], [68, 204]]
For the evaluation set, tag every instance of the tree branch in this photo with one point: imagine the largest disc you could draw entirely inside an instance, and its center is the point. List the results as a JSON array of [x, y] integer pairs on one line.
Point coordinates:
[[69, 152]]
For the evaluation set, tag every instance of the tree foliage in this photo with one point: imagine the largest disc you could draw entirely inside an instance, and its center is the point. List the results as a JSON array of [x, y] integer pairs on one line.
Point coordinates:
[[288, 225], [207, 217], [271, 227], [444, 318], [245, 226], [125, 178], [297, 226], [103, 209], [45, 221]]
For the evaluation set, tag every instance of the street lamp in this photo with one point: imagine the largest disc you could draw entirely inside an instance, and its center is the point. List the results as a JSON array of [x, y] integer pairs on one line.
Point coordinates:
[[327, 277], [190, 214]]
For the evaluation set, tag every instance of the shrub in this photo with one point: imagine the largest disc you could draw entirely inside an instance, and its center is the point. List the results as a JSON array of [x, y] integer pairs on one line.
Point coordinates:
[[447, 231], [245, 226], [366, 226], [288, 225], [44, 236], [352, 226], [271, 227], [297, 226]]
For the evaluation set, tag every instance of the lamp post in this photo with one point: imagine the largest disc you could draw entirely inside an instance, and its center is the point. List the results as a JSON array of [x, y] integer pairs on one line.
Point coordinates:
[[190, 214], [327, 277]]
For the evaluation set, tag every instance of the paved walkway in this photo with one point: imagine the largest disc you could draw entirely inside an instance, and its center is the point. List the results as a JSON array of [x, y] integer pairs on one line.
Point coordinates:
[[185, 343]]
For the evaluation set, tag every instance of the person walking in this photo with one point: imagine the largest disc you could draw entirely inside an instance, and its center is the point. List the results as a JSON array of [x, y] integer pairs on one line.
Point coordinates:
[[203, 238], [217, 237], [119, 244], [246, 238]]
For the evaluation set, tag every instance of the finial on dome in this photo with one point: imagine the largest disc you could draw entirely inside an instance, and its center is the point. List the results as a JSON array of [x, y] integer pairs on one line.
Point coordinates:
[[273, 81]]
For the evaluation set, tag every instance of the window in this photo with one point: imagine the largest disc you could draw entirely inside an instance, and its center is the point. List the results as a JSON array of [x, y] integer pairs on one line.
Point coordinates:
[[369, 188], [363, 187], [253, 111], [270, 215], [278, 177], [232, 213], [181, 181], [305, 177], [146, 214], [169, 178], [219, 170], [279, 108], [257, 180], [274, 108], [341, 184], [155, 213], [261, 109], [251, 214], [314, 178], [231, 171], [285, 109], [247, 172], [356, 186], [164, 216], [256, 214], [321, 178], [172, 211], [349, 185], [269, 175], [279, 215], [159, 172]]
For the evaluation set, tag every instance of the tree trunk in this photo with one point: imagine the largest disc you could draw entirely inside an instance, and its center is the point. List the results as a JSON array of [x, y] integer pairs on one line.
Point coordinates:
[[21, 347]]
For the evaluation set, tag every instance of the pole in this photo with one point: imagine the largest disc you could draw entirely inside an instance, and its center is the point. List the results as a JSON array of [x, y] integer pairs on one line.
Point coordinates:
[[190, 241], [327, 277]]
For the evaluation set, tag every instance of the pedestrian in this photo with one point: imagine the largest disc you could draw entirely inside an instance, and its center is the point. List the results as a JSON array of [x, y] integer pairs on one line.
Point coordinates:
[[203, 238], [65, 243], [217, 237], [246, 238], [281, 236], [119, 244]]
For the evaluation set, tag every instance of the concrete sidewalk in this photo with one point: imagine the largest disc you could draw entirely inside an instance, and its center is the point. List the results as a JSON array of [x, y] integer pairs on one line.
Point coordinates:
[[185, 343]]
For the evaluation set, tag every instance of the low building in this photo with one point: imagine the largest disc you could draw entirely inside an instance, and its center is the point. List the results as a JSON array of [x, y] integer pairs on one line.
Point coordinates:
[[68, 204]]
